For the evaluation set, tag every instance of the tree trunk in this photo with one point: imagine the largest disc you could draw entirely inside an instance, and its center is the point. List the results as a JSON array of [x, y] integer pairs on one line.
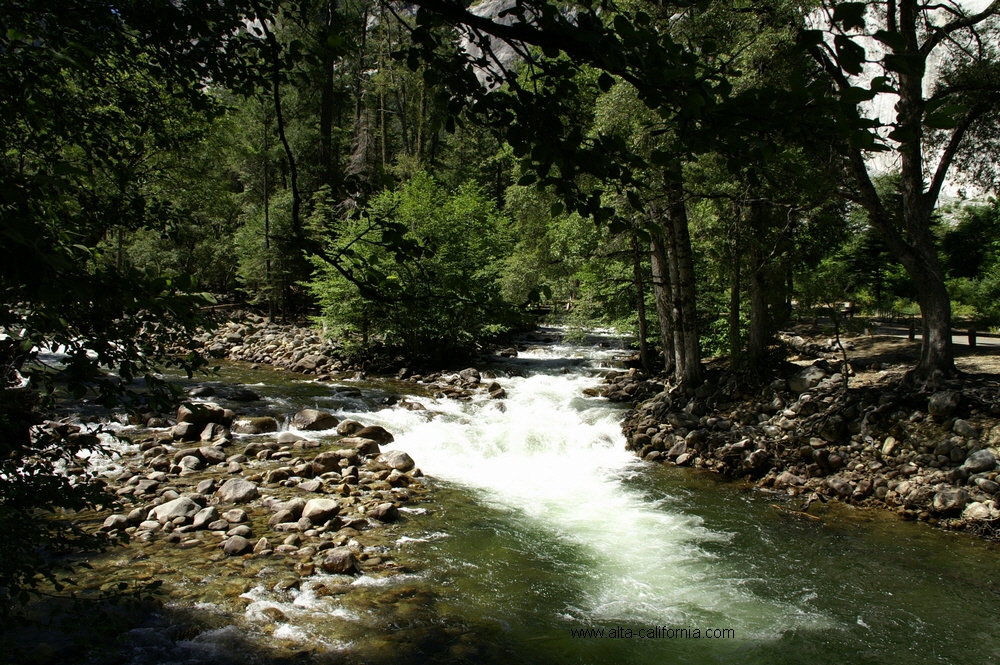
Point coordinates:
[[689, 347], [663, 298], [640, 293], [758, 338], [735, 343]]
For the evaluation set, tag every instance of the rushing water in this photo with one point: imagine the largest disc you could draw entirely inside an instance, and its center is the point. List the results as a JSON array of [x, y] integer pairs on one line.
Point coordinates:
[[543, 526]]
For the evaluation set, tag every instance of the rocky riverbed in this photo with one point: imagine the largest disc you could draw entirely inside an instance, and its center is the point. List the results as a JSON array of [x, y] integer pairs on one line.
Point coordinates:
[[930, 456]]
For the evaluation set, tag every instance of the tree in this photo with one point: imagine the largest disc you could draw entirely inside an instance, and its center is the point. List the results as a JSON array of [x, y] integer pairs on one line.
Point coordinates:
[[899, 40]]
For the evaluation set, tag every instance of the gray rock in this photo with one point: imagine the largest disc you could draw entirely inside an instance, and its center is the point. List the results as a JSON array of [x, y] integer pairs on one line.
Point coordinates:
[[361, 445], [205, 516], [235, 516], [241, 530], [965, 428], [262, 545], [788, 479], [243, 395], [943, 403], [206, 486], [376, 433], [470, 375], [186, 432], [889, 446], [255, 425], [806, 378], [349, 427], [236, 545], [116, 523], [179, 507], [318, 511], [218, 525], [314, 420], [980, 461], [212, 455], [977, 511], [397, 459], [287, 438], [201, 413], [237, 490], [950, 500], [840, 487], [384, 512], [339, 560], [191, 462], [281, 517], [677, 450], [985, 484], [311, 485]]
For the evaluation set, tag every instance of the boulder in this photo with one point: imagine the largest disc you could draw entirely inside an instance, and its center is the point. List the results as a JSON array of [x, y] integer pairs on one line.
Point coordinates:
[[243, 395], [213, 431], [236, 545], [965, 429], [325, 462], [314, 420], [201, 413], [255, 425], [384, 512], [977, 511], [806, 378], [288, 438], [951, 500], [980, 461], [339, 560], [943, 403], [237, 490], [378, 434], [179, 507], [205, 516], [397, 459], [116, 522], [362, 445], [318, 511], [349, 427], [186, 432], [470, 375]]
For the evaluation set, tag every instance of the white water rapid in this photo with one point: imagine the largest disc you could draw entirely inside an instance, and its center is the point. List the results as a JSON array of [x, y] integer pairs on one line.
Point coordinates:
[[555, 459]]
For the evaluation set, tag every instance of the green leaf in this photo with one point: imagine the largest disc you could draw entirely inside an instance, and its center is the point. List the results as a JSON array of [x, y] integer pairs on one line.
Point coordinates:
[[850, 55], [903, 134], [605, 81], [546, 291], [556, 209], [893, 40], [527, 179], [850, 15]]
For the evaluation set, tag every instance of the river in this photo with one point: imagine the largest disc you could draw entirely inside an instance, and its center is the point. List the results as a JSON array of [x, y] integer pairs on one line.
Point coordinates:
[[547, 542]]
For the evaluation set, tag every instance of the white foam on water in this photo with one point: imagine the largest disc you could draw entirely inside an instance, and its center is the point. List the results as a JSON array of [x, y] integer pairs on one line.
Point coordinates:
[[558, 460]]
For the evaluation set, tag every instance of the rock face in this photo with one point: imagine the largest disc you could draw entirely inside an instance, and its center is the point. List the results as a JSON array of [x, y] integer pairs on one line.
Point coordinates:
[[314, 420], [397, 459], [806, 378], [943, 403], [237, 490]]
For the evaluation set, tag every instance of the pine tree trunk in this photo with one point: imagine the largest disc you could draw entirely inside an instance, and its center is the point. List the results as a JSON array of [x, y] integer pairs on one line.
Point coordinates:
[[640, 293], [686, 286], [663, 298]]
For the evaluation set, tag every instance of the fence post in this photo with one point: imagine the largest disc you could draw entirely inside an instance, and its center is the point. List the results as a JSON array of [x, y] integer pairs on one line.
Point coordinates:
[[913, 329], [972, 338]]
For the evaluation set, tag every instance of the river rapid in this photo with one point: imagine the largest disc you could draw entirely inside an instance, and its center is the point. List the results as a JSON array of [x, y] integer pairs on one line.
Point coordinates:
[[545, 541]]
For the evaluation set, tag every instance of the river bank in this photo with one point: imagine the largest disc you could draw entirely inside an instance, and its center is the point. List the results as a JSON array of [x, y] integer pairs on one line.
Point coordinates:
[[928, 456], [537, 524]]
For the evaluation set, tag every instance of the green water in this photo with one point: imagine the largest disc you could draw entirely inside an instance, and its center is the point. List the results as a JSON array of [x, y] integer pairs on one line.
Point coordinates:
[[541, 526]]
